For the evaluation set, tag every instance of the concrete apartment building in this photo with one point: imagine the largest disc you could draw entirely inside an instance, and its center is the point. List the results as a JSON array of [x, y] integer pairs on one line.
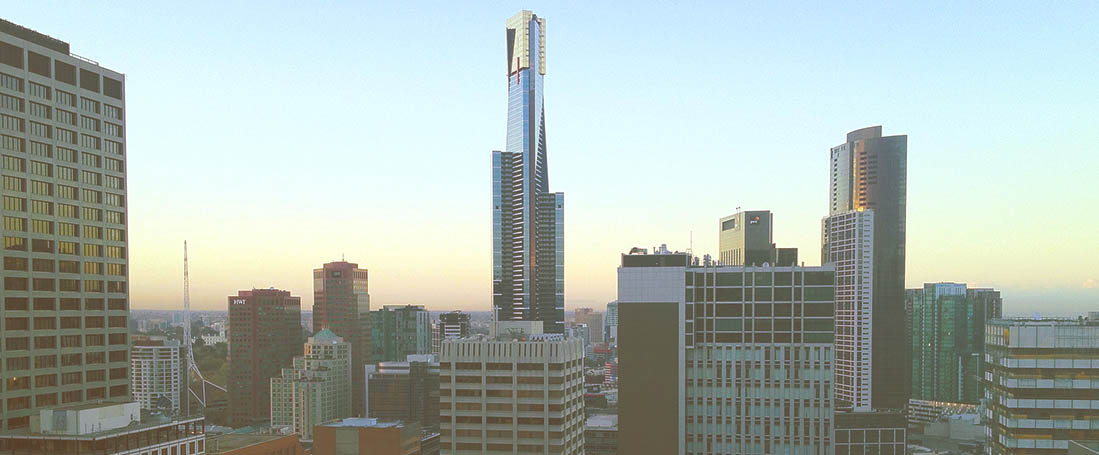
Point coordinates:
[[265, 336], [724, 359], [316, 389], [1041, 384], [520, 392], [155, 369], [65, 276]]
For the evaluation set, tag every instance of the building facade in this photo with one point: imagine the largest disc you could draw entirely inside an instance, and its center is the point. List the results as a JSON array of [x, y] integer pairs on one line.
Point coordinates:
[[156, 373], [725, 359], [316, 389], [107, 428], [512, 395], [601, 435], [1041, 384], [341, 303], [948, 334], [454, 324], [398, 331], [849, 248], [747, 238], [254, 444], [871, 432], [406, 391], [264, 337], [610, 323], [65, 292], [528, 268], [869, 172], [369, 436]]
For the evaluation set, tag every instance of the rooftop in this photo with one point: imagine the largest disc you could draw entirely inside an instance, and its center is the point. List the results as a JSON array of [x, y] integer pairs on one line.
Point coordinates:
[[362, 422], [27, 34], [227, 442], [602, 422]]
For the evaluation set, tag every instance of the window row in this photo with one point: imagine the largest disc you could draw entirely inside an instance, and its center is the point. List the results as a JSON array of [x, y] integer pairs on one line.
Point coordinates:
[[43, 169], [67, 341], [19, 204], [66, 322], [64, 247], [64, 72], [12, 223], [23, 264], [66, 360], [64, 285], [66, 304], [89, 195], [18, 144]]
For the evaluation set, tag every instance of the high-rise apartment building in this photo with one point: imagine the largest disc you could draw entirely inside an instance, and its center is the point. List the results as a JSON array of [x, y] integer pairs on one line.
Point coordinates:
[[316, 389], [849, 247], [747, 238], [341, 303], [868, 172], [724, 359], [65, 292], [156, 373], [264, 337], [528, 268], [1041, 384], [508, 396], [406, 391], [398, 331], [948, 335], [454, 324]]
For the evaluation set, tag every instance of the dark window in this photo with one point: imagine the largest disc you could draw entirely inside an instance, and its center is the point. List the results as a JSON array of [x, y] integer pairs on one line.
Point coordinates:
[[112, 87], [818, 278], [89, 80], [38, 64], [729, 294], [728, 279], [11, 55], [64, 72]]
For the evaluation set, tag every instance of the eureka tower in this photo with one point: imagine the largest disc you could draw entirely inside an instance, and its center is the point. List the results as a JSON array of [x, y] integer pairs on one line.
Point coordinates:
[[528, 272]]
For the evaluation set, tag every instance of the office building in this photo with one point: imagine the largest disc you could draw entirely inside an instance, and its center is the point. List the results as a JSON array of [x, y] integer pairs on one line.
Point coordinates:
[[521, 392], [601, 435], [106, 428], [156, 373], [436, 336], [369, 437], [528, 268], [398, 331], [610, 323], [65, 292], [264, 337], [747, 238], [316, 389], [868, 173], [454, 324], [724, 359], [849, 248], [406, 391], [948, 331], [254, 444], [341, 303], [871, 432], [594, 322], [1041, 384]]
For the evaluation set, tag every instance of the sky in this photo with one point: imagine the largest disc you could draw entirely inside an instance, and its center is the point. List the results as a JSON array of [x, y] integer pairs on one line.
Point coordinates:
[[277, 136]]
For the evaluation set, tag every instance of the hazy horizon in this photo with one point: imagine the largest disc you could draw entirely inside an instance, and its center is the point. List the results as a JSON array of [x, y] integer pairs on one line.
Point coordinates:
[[277, 139]]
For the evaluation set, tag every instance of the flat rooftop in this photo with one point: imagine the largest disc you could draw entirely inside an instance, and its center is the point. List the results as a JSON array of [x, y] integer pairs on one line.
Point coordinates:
[[227, 442], [602, 422], [361, 422]]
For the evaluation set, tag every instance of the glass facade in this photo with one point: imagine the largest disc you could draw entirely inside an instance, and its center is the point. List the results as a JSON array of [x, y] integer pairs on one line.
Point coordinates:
[[528, 223]]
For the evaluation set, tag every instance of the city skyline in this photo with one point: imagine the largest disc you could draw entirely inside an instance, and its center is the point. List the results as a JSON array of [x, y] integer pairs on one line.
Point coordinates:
[[973, 210]]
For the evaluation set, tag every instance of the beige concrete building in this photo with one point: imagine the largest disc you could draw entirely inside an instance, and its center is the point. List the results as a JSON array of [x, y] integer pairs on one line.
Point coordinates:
[[156, 375], [65, 293], [521, 392], [317, 389]]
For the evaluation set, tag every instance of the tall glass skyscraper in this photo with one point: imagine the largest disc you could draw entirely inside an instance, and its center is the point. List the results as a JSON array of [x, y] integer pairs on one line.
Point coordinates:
[[528, 271]]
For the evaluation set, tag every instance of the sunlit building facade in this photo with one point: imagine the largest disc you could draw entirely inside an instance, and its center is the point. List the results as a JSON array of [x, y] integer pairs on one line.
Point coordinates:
[[528, 270], [341, 303], [264, 337], [65, 277]]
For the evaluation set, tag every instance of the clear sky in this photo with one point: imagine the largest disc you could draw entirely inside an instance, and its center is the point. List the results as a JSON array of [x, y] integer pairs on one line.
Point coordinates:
[[279, 136]]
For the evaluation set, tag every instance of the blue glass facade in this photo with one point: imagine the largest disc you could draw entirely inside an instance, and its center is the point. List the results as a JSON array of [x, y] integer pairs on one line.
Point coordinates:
[[528, 236]]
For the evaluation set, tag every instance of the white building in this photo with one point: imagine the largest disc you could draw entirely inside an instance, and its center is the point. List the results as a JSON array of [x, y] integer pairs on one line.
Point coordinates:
[[317, 389], [155, 368], [106, 428], [521, 392], [848, 238]]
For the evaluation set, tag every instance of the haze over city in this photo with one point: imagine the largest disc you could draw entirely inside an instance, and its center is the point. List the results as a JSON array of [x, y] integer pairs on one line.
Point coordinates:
[[278, 139]]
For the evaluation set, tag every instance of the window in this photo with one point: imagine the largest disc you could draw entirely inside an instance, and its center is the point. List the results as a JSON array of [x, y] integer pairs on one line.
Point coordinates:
[[66, 210], [42, 207], [66, 173], [113, 147], [15, 184], [12, 122], [41, 246], [91, 196], [91, 178], [41, 188], [115, 217], [42, 226], [66, 229], [113, 129], [15, 204], [115, 165], [41, 149], [68, 267], [38, 90], [66, 98], [89, 123], [65, 154], [116, 270], [89, 141], [89, 105], [15, 243], [12, 223], [114, 200], [66, 117], [66, 192], [66, 136], [112, 111], [117, 235], [11, 82], [15, 263], [89, 159], [114, 182], [42, 169], [116, 252], [93, 268], [91, 214], [41, 130], [68, 248], [40, 110], [12, 103], [13, 163], [92, 250], [12, 143]]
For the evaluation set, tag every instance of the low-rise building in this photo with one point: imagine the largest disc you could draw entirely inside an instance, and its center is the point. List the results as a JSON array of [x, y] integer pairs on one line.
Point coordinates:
[[405, 391], [105, 429], [359, 436], [601, 435], [254, 444]]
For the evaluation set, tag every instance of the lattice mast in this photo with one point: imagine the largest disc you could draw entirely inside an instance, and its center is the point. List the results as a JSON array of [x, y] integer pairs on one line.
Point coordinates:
[[192, 368]]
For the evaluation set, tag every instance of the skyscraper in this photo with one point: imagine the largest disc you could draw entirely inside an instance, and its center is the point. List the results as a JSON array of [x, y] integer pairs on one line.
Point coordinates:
[[528, 271], [65, 276], [264, 337], [747, 238], [948, 335], [341, 303], [316, 389], [849, 247], [725, 359], [868, 172], [398, 331], [156, 374]]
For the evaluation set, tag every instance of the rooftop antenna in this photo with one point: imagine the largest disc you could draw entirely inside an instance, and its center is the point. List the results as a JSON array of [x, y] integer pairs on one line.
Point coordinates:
[[192, 367], [691, 243]]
